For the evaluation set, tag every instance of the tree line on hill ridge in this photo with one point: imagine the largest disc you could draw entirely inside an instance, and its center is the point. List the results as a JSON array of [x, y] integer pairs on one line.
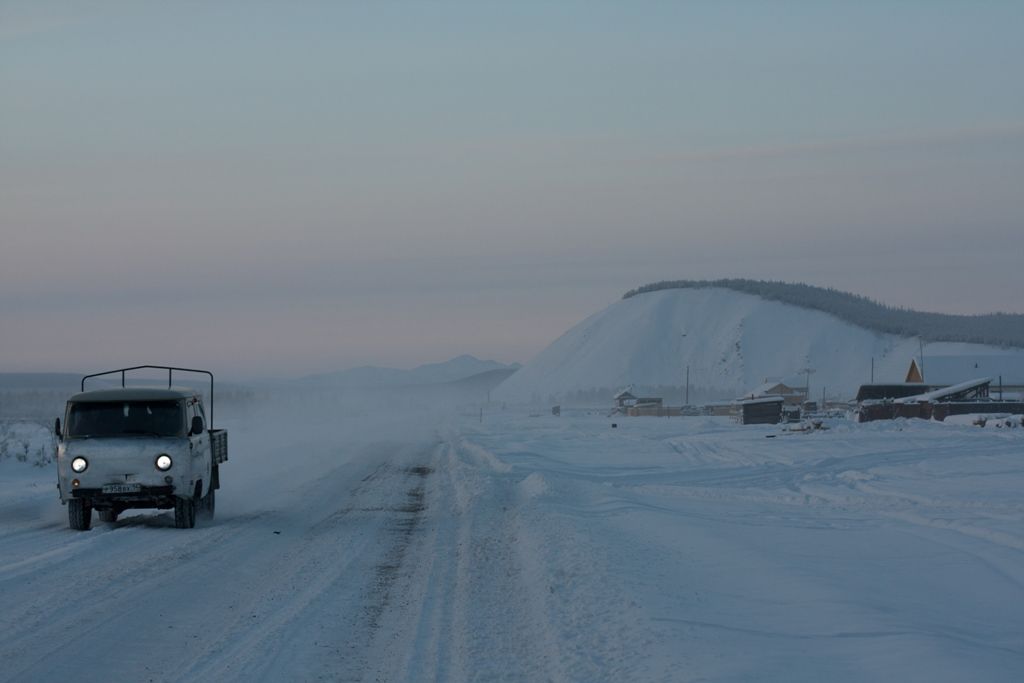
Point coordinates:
[[998, 329]]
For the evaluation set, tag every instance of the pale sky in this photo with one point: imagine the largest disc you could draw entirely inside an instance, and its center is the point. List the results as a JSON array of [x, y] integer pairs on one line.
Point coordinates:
[[283, 188]]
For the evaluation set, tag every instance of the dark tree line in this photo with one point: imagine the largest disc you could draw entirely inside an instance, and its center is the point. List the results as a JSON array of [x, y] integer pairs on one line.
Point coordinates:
[[999, 329]]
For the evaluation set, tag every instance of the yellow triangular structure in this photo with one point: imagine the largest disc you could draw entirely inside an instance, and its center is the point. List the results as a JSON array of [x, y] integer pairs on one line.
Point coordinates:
[[914, 374]]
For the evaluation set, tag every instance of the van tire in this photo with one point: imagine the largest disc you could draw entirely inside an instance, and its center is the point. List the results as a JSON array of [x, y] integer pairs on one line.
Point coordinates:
[[79, 514], [184, 513], [208, 505]]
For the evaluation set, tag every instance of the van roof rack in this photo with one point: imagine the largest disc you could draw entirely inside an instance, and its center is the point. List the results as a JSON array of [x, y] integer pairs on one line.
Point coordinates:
[[170, 375]]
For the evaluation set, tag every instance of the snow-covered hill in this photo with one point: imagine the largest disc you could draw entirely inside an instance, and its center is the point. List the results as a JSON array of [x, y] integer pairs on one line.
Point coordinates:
[[731, 341]]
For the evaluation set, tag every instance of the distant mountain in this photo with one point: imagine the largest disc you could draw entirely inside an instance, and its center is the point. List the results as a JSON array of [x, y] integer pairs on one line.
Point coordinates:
[[459, 368], [1002, 329], [732, 342], [39, 380], [483, 381], [35, 395]]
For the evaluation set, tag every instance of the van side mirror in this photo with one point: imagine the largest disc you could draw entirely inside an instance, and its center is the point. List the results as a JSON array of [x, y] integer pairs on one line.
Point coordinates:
[[197, 425], [56, 430]]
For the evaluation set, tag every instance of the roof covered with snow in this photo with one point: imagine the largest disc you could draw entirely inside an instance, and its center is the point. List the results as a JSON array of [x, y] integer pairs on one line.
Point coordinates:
[[763, 399], [939, 394], [772, 388], [131, 394]]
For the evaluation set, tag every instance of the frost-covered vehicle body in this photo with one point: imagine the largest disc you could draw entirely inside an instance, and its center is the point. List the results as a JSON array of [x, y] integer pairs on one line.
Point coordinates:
[[135, 447]]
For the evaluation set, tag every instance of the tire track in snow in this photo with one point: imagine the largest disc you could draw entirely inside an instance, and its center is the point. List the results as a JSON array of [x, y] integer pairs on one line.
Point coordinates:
[[216, 603], [340, 582], [462, 602]]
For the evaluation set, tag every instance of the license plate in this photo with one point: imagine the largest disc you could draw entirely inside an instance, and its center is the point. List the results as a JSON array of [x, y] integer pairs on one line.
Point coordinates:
[[122, 488]]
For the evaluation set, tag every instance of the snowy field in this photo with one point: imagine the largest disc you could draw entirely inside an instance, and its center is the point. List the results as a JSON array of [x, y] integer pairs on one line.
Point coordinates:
[[413, 548]]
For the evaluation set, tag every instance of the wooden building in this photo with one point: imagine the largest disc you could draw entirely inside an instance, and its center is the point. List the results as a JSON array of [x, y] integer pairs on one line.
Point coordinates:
[[1006, 371], [653, 408], [791, 395], [878, 392], [757, 411], [914, 374], [965, 398], [720, 409], [627, 403], [624, 399]]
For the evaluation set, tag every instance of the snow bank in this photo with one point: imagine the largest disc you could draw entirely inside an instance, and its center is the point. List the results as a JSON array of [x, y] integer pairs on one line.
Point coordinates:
[[27, 441], [694, 549]]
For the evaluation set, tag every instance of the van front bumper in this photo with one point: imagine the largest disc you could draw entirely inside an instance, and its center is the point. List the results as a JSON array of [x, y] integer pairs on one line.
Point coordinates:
[[145, 497]]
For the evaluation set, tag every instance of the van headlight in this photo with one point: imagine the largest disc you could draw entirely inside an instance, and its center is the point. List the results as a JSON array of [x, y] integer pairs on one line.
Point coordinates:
[[163, 462], [79, 464]]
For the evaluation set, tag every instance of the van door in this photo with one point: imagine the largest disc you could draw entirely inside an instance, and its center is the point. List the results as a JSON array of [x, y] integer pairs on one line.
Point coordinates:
[[200, 444]]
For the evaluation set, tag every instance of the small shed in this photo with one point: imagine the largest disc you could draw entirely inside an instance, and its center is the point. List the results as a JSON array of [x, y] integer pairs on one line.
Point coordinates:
[[761, 411]]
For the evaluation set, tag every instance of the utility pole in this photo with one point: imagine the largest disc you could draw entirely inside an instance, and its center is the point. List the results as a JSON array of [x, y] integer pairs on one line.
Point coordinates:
[[807, 383], [687, 386], [872, 369], [686, 395], [920, 345]]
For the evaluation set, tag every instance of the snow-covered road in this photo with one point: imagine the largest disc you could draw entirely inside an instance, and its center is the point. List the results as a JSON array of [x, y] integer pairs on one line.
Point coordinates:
[[541, 549], [375, 560]]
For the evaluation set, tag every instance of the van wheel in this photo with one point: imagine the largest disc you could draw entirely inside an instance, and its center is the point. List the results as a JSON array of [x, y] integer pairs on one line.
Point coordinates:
[[207, 505], [79, 514], [109, 516], [184, 513]]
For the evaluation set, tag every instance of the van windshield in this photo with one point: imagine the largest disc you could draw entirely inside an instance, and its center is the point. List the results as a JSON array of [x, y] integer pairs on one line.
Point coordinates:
[[126, 418]]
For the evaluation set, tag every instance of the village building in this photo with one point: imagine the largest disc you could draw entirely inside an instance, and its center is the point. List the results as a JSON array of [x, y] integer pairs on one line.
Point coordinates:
[[720, 408], [966, 398], [1006, 371], [938, 372], [793, 396], [628, 403], [624, 399], [877, 392], [914, 374], [653, 407], [759, 411]]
